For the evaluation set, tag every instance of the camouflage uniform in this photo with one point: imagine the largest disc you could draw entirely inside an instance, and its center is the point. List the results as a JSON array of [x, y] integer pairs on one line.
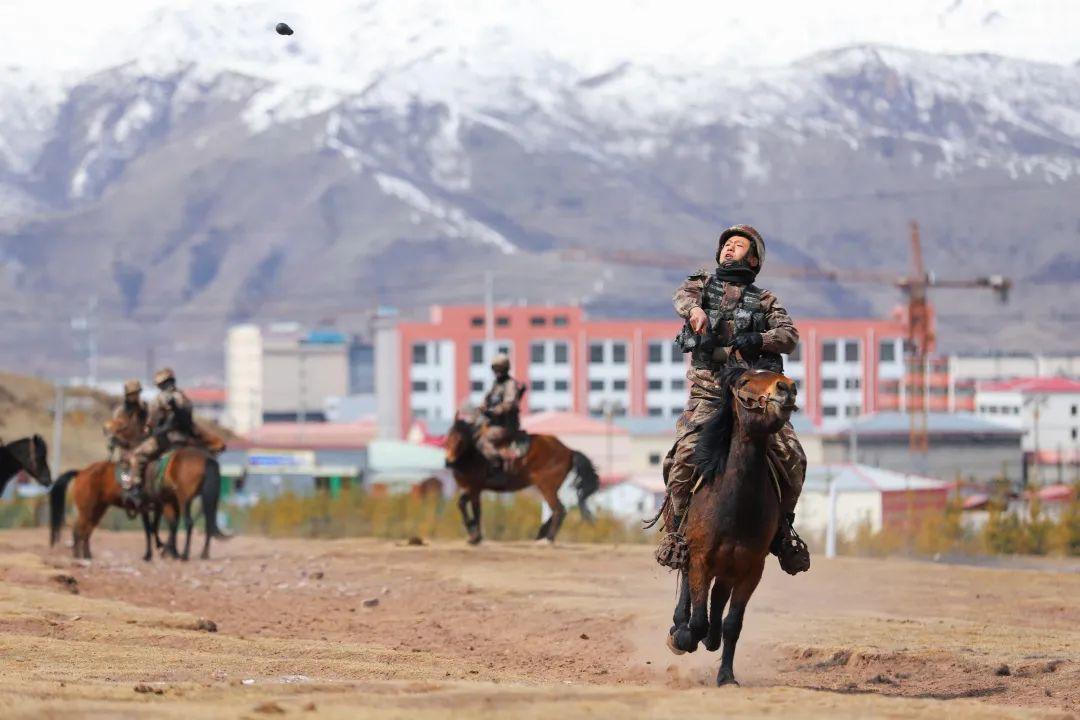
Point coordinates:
[[128, 425], [170, 424], [778, 335], [502, 406]]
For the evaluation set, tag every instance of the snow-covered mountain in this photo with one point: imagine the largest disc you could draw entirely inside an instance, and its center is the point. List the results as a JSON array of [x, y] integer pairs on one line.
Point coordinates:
[[188, 166]]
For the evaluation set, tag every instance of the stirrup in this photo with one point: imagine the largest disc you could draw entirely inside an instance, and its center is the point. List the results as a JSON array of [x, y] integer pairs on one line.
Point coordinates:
[[673, 551], [791, 551]]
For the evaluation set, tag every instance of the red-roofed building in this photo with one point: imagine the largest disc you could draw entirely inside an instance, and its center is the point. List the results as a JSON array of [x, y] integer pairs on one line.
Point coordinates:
[[310, 436], [209, 402], [1047, 409]]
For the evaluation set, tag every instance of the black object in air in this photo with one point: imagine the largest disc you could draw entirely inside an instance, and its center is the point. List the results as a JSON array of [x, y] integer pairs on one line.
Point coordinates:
[[283, 29]]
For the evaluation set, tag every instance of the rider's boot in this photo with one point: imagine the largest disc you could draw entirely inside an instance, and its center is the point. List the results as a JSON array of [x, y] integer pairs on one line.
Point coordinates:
[[789, 548], [131, 486], [673, 551]]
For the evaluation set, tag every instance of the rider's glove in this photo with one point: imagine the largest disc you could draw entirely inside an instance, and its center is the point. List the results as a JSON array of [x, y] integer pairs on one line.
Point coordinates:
[[748, 343]]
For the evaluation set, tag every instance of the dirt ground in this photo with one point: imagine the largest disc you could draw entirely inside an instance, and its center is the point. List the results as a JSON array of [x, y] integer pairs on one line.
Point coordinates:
[[376, 629]]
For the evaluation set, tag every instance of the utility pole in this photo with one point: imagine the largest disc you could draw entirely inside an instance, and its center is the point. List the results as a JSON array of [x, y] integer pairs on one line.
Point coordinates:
[[489, 314], [58, 427]]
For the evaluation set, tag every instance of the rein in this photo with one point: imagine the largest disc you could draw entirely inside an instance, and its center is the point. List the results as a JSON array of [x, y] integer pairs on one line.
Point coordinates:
[[755, 404]]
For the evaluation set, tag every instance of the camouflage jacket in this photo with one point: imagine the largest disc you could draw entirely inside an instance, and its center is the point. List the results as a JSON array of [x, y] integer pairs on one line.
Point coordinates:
[[128, 426], [781, 337], [502, 404], [171, 414]]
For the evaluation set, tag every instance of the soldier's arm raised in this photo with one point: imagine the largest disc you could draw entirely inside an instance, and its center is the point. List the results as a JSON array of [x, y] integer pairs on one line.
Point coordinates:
[[781, 337]]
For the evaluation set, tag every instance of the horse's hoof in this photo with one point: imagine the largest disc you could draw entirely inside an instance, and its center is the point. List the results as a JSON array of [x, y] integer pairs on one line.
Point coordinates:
[[671, 646], [726, 677], [684, 640], [475, 540], [545, 542], [710, 645], [148, 557]]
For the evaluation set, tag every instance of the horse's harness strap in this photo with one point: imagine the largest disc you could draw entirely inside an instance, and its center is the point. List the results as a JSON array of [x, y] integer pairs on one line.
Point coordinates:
[[756, 404]]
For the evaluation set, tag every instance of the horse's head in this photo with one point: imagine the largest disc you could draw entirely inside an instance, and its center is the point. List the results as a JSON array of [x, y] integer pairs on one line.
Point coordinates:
[[33, 455], [764, 401], [459, 440]]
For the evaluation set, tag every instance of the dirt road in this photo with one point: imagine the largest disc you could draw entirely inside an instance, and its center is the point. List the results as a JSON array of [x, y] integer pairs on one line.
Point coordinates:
[[374, 629]]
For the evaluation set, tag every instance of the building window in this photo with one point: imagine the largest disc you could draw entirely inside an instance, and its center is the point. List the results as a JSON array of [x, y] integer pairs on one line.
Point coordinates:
[[887, 351], [502, 321], [851, 351], [537, 353], [476, 354], [537, 321], [1074, 433], [1074, 408], [596, 353], [562, 385], [828, 383], [852, 410], [656, 412], [829, 411], [419, 413], [596, 384], [561, 321], [477, 321], [618, 384], [654, 458], [676, 411], [562, 353], [537, 408], [828, 351], [676, 355], [419, 386], [656, 384], [539, 385], [618, 353], [419, 354], [504, 350], [678, 384], [852, 384], [477, 386], [796, 354], [656, 353], [596, 412]]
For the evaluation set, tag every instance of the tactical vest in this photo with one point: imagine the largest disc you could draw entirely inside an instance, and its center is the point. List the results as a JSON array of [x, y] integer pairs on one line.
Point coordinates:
[[746, 315], [728, 321]]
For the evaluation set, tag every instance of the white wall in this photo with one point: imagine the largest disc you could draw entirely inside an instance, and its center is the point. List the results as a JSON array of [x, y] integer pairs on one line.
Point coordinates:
[[243, 378], [852, 509]]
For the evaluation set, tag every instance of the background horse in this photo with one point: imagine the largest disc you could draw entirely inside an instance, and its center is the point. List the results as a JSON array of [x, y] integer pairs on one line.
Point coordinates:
[[29, 455], [546, 466], [190, 472], [734, 514]]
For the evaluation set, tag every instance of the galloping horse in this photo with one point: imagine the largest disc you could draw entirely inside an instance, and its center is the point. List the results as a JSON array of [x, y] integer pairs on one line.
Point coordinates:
[[546, 465], [189, 472], [30, 455], [734, 513]]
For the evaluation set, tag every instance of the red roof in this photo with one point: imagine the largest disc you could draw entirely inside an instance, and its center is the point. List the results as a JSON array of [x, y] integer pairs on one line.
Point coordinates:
[[344, 436], [206, 395], [566, 423], [1034, 385]]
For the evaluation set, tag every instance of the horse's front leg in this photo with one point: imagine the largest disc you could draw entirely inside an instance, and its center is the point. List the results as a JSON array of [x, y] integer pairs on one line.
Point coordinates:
[[470, 519], [477, 533], [148, 528], [189, 525], [740, 596], [681, 618], [687, 637]]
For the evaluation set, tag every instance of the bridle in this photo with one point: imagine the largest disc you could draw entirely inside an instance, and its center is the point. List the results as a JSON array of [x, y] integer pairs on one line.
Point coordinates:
[[755, 404]]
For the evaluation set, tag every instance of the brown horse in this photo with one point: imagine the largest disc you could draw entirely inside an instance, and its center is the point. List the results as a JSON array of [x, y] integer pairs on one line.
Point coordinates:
[[189, 472], [546, 466], [733, 516], [29, 455]]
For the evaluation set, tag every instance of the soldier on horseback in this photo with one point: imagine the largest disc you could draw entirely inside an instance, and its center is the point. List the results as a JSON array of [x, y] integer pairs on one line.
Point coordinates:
[[731, 321], [501, 410], [127, 428], [170, 423]]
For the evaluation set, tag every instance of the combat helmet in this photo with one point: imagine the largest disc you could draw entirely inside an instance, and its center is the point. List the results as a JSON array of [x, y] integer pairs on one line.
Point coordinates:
[[748, 232]]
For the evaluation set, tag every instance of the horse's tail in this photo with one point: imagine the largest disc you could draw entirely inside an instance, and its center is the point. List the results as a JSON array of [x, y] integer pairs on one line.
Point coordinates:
[[587, 482], [57, 498], [211, 495]]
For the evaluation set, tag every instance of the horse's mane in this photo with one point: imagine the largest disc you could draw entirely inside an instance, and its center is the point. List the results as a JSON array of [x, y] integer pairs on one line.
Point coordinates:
[[711, 453]]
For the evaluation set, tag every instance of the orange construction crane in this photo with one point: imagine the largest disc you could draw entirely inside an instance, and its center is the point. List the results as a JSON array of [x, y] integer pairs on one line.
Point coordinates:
[[918, 313]]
